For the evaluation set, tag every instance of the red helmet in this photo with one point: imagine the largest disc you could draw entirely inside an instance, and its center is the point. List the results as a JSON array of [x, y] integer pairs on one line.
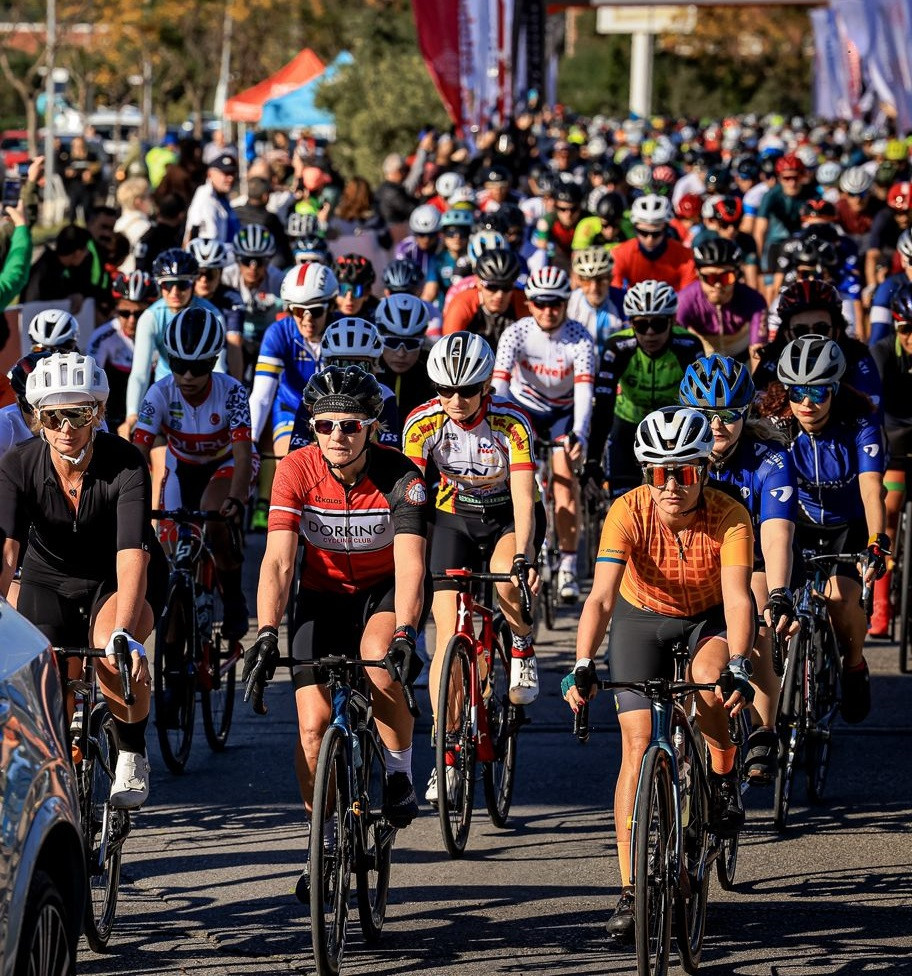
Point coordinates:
[[790, 163], [728, 210], [818, 208], [809, 295], [899, 196], [689, 206]]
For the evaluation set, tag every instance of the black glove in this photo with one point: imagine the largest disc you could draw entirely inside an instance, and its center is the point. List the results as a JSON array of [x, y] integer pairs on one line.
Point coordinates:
[[781, 604], [876, 553], [592, 471], [237, 507], [520, 567], [736, 676], [401, 661], [266, 646]]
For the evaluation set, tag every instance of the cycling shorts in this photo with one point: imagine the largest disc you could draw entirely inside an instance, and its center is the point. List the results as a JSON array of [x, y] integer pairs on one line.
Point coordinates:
[[623, 469], [465, 541], [830, 539], [899, 441], [552, 424], [283, 420], [184, 484], [641, 642], [333, 623]]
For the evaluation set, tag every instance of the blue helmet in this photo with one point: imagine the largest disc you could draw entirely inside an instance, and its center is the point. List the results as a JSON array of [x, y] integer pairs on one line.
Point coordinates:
[[716, 381]]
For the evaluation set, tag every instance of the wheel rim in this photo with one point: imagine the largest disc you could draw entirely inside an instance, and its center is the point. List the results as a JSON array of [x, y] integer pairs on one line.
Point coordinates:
[[49, 954], [175, 680], [658, 880], [104, 829], [456, 749], [502, 721], [376, 844]]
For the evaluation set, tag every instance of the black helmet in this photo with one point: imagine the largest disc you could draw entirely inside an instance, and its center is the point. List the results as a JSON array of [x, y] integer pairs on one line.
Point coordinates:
[[343, 389], [495, 175], [569, 193], [718, 252], [402, 275], [610, 207], [498, 266], [511, 216], [719, 180], [612, 173], [19, 374], [747, 168], [809, 295], [353, 269], [493, 220], [901, 306], [810, 249], [174, 263], [195, 333]]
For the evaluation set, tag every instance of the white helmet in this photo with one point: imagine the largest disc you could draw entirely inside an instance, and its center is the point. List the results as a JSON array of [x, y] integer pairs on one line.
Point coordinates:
[[856, 180], [639, 176], [194, 333], [828, 173], [650, 209], [53, 327], [309, 284], [592, 262], [425, 219], [351, 338], [708, 209], [460, 359], [65, 377], [811, 360], [462, 194], [301, 225], [650, 297], [549, 282], [210, 253], [673, 435], [402, 315], [448, 183], [904, 244], [485, 240], [807, 155]]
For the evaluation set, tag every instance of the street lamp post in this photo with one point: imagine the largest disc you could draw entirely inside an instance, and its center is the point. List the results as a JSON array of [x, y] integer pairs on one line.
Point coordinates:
[[49, 209]]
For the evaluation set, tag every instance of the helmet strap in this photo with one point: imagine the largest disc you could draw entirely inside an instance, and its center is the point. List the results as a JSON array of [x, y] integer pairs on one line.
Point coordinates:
[[75, 461]]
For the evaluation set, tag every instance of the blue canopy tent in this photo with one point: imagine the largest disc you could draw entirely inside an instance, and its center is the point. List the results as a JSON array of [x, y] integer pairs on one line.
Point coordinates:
[[297, 109]]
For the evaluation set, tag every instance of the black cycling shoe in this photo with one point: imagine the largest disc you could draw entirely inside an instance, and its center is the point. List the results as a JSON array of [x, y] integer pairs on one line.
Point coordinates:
[[620, 925], [856, 694], [400, 805], [762, 756], [302, 888], [727, 808]]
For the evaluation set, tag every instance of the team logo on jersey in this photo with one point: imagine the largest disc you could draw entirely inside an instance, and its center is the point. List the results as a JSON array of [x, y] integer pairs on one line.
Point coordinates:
[[416, 492], [872, 450], [214, 419], [745, 491], [783, 494]]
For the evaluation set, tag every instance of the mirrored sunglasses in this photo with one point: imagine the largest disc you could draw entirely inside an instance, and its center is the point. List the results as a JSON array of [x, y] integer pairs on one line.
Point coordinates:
[[816, 394], [725, 416], [314, 311], [181, 284], [76, 417], [718, 277], [348, 427], [685, 475], [356, 291]]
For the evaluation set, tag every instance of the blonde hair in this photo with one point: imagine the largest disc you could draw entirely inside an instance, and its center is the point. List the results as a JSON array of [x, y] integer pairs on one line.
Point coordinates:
[[131, 189]]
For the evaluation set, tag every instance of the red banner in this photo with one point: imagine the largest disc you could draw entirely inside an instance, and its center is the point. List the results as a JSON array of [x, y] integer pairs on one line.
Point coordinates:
[[437, 22]]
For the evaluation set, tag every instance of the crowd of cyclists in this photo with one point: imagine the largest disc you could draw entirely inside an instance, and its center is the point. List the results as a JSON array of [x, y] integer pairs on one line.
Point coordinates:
[[710, 326]]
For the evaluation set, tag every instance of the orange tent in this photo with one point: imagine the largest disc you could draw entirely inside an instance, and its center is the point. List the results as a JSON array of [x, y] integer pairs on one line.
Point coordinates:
[[248, 105]]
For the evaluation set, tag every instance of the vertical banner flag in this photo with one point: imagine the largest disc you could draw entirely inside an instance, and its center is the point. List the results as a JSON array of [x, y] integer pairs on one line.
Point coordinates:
[[437, 23]]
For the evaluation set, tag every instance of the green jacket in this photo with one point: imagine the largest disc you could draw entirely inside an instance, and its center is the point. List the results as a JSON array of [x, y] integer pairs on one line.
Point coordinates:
[[16, 268]]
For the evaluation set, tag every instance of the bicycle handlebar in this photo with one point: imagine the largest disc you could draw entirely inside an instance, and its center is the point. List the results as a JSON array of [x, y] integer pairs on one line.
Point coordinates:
[[121, 656], [465, 576], [210, 515]]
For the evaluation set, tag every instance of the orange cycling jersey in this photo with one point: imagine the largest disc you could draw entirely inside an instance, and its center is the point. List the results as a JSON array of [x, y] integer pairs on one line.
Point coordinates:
[[676, 574], [673, 263]]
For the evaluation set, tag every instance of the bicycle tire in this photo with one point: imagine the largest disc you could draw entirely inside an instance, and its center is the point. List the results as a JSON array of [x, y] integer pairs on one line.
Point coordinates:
[[375, 841], [330, 869], [504, 720], [727, 859], [175, 687], [905, 605], [653, 826], [454, 736], [819, 742], [103, 830], [217, 679], [790, 727], [690, 904]]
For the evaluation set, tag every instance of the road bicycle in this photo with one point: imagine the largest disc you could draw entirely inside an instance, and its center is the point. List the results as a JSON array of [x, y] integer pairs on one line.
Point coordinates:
[[901, 585], [191, 653], [94, 745], [595, 504], [548, 598], [475, 719]]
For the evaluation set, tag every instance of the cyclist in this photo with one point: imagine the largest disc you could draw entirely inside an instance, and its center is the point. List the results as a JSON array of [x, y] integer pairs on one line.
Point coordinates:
[[402, 322], [355, 275], [362, 577], [93, 570], [750, 457], [456, 227], [722, 217], [479, 242], [606, 229], [111, 344], [422, 245], [494, 302], [16, 418], [837, 449], [672, 549], [213, 257], [487, 499], [881, 321], [652, 253], [779, 212], [640, 370], [593, 301], [53, 330], [209, 464], [312, 250], [886, 227], [545, 362], [554, 231], [404, 277]]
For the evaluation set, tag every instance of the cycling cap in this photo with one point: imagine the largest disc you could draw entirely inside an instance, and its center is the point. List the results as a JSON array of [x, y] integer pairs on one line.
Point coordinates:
[[254, 241], [460, 359], [173, 264], [499, 266], [549, 282], [673, 435], [301, 225], [53, 327], [66, 377], [343, 389], [209, 253], [592, 262], [425, 219], [812, 360], [194, 333], [485, 240], [402, 275], [351, 338], [309, 284], [856, 181], [650, 209], [650, 297], [136, 286], [718, 252], [716, 381], [312, 250], [448, 183], [402, 315], [353, 269]]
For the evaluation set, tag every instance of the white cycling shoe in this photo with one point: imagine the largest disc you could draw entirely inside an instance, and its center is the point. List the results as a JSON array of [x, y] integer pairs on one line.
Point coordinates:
[[523, 680], [431, 794], [567, 586], [130, 788]]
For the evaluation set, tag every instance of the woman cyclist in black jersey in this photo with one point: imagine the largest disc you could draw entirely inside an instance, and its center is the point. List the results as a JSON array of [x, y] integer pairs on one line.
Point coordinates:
[[81, 498]]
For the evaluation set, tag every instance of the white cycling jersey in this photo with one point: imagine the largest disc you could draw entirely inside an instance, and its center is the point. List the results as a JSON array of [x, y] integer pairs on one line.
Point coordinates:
[[108, 346]]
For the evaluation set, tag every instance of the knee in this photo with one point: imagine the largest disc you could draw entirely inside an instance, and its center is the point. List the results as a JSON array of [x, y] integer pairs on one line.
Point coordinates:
[[704, 672], [311, 736]]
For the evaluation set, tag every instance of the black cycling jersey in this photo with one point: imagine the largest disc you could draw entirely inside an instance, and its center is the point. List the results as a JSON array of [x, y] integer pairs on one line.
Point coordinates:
[[411, 388]]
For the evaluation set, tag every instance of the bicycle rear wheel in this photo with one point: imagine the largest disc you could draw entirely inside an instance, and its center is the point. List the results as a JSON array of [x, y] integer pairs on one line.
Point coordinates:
[[790, 727], [174, 678], [455, 746], [653, 826], [905, 601], [375, 847], [217, 678], [819, 743], [103, 829], [504, 721], [330, 856]]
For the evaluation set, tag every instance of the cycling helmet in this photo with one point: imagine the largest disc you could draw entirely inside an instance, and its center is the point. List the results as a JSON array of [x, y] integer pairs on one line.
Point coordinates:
[[52, 328], [254, 241], [19, 374], [718, 252], [899, 196], [688, 206], [209, 253], [818, 209], [343, 389], [511, 216], [174, 264], [812, 360], [464, 196], [673, 435], [650, 209], [495, 176], [353, 269], [402, 315], [134, 287], [351, 338], [810, 295], [719, 180], [548, 283], [664, 177], [457, 218], [194, 333], [425, 219], [301, 225], [592, 262], [485, 240], [650, 297], [807, 155], [610, 207], [747, 168], [856, 181], [65, 377], [904, 244], [460, 359], [447, 183], [402, 275], [613, 173], [569, 193], [638, 176], [499, 266], [462, 268], [814, 250], [828, 173], [901, 305], [727, 210], [790, 163], [716, 381], [309, 284], [492, 220], [312, 250]]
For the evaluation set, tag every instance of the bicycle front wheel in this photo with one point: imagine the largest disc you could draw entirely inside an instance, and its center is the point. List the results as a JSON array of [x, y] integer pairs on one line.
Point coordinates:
[[653, 826], [375, 847], [904, 566], [691, 895], [790, 727], [455, 757], [504, 720], [217, 679], [331, 846], [819, 745], [174, 677]]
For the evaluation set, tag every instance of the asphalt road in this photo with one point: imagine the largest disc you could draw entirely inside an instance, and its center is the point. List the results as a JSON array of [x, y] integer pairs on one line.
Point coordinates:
[[210, 867]]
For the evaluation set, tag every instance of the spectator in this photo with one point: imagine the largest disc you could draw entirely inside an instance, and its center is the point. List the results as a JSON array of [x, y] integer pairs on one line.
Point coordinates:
[[71, 269], [159, 158], [393, 201], [134, 201], [210, 214], [163, 234], [81, 169], [14, 273]]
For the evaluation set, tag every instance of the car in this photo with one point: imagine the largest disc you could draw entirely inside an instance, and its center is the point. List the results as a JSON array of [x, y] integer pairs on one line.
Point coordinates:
[[14, 150], [42, 859]]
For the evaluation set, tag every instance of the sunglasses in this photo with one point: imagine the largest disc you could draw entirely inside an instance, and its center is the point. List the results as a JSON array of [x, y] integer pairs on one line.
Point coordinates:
[[252, 262], [650, 235], [813, 328], [210, 274], [496, 287], [466, 392], [348, 427], [903, 326], [566, 209], [548, 302], [181, 284], [685, 475], [314, 311], [356, 291], [726, 416], [127, 313], [195, 367], [718, 277], [402, 343], [76, 417], [456, 232], [661, 323], [816, 394]]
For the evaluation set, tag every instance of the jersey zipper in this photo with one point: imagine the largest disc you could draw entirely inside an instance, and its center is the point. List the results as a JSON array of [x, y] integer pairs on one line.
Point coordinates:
[[817, 475]]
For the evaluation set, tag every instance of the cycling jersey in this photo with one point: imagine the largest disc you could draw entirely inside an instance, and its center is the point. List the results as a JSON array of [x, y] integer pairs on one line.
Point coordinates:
[[546, 372], [411, 388], [347, 530], [426, 260], [601, 322], [588, 233], [895, 369], [196, 434], [231, 305], [727, 329], [678, 574], [13, 429], [390, 428], [475, 461], [671, 262], [465, 313], [113, 352], [260, 307], [881, 311]]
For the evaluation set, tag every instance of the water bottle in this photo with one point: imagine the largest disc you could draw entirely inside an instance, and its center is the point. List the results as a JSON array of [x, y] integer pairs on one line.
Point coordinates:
[[684, 774], [204, 613], [356, 750]]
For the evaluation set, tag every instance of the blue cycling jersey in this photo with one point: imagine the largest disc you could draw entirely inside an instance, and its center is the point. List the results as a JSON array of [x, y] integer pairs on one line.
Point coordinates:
[[286, 354], [881, 312]]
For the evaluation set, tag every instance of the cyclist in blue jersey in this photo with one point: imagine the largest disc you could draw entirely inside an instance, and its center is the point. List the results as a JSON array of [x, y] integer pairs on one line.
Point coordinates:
[[355, 275], [213, 257], [456, 227], [881, 313], [750, 459], [838, 452]]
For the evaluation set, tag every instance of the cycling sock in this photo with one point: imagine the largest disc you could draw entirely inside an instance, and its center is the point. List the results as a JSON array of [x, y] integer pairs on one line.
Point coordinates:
[[398, 761], [568, 562], [723, 760], [522, 646], [131, 736]]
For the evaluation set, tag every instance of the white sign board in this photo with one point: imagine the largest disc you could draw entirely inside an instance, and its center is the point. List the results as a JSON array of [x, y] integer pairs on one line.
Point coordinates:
[[646, 20]]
